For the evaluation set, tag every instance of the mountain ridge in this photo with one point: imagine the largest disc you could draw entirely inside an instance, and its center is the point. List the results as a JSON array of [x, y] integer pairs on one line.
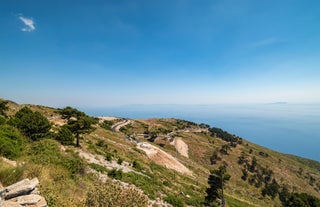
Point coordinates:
[[208, 148]]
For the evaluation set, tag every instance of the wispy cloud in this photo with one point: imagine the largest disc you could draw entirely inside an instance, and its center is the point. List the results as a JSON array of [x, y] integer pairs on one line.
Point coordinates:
[[265, 42], [29, 24]]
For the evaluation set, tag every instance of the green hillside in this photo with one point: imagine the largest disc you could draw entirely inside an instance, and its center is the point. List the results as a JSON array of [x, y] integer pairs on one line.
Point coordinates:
[[158, 161]]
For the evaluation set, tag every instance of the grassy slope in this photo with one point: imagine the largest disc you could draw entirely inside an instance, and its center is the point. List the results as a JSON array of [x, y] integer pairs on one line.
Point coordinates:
[[55, 181]]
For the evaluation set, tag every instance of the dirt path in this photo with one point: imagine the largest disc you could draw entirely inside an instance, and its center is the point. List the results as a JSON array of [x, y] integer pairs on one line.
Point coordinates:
[[116, 127], [180, 146]]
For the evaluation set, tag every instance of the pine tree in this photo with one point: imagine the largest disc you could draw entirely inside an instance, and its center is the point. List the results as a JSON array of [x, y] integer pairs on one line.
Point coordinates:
[[78, 122], [216, 182]]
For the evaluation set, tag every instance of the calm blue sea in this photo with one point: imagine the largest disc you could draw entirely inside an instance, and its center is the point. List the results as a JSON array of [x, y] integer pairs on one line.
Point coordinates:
[[287, 128]]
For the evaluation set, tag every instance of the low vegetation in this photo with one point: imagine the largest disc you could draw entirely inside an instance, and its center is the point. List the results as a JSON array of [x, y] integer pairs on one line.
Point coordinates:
[[114, 194]]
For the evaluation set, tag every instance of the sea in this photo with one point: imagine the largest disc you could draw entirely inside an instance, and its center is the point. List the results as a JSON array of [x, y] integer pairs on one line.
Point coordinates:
[[284, 127]]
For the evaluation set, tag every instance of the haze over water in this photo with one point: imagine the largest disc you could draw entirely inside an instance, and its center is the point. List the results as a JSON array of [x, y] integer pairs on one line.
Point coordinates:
[[287, 128]]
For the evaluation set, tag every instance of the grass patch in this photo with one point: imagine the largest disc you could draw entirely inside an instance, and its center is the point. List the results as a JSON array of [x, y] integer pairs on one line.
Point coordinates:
[[47, 152], [174, 200], [98, 168], [11, 142], [10, 174], [150, 185]]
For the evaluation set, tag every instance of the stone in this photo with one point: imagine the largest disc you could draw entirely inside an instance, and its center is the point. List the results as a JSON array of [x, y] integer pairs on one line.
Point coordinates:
[[42, 203], [11, 204], [28, 199], [21, 188], [22, 194]]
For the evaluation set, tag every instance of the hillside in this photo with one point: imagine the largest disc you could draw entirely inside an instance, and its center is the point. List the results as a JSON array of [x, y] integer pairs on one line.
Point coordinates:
[[158, 162]]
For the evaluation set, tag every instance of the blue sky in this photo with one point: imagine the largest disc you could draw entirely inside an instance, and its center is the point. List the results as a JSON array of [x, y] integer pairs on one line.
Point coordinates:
[[97, 53]]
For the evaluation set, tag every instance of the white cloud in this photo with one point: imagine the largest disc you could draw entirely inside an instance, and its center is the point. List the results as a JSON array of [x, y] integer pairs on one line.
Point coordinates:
[[29, 24]]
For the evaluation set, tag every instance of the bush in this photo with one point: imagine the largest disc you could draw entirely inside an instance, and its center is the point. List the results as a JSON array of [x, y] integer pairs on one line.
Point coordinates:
[[299, 199], [114, 194], [136, 165], [47, 152], [11, 142], [30, 123], [120, 160], [174, 200], [271, 190], [65, 136], [106, 124], [102, 143], [74, 164], [108, 156], [116, 174]]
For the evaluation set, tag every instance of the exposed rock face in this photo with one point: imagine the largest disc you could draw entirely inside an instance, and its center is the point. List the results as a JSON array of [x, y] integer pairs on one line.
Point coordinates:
[[22, 194], [162, 158]]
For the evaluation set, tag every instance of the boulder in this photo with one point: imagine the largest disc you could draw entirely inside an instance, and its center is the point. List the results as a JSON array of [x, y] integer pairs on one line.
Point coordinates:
[[21, 188], [11, 204], [22, 194]]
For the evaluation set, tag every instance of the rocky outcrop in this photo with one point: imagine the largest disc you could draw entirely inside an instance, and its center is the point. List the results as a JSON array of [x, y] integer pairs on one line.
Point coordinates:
[[22, 194], [163, 158]]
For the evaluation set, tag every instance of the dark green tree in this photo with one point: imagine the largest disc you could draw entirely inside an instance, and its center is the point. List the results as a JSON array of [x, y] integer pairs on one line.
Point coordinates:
[[253, 165], [69, 112], [284, 194], [214, 158], [215, 192], [271, 189], [78, 122], [32, 124], [301, 199], [224, 149]]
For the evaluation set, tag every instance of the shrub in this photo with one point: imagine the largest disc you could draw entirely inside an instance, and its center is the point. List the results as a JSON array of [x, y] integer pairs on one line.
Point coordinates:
[[106, 124], [47, 152], [167, 183], [271, 189], [116, 174], [300, 199], [74, 164], [136, 165], [113, 194], [108, 156], [65, 136], [101, 143], [11, 142], [30, 123], [120, 160], [174, 200]]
